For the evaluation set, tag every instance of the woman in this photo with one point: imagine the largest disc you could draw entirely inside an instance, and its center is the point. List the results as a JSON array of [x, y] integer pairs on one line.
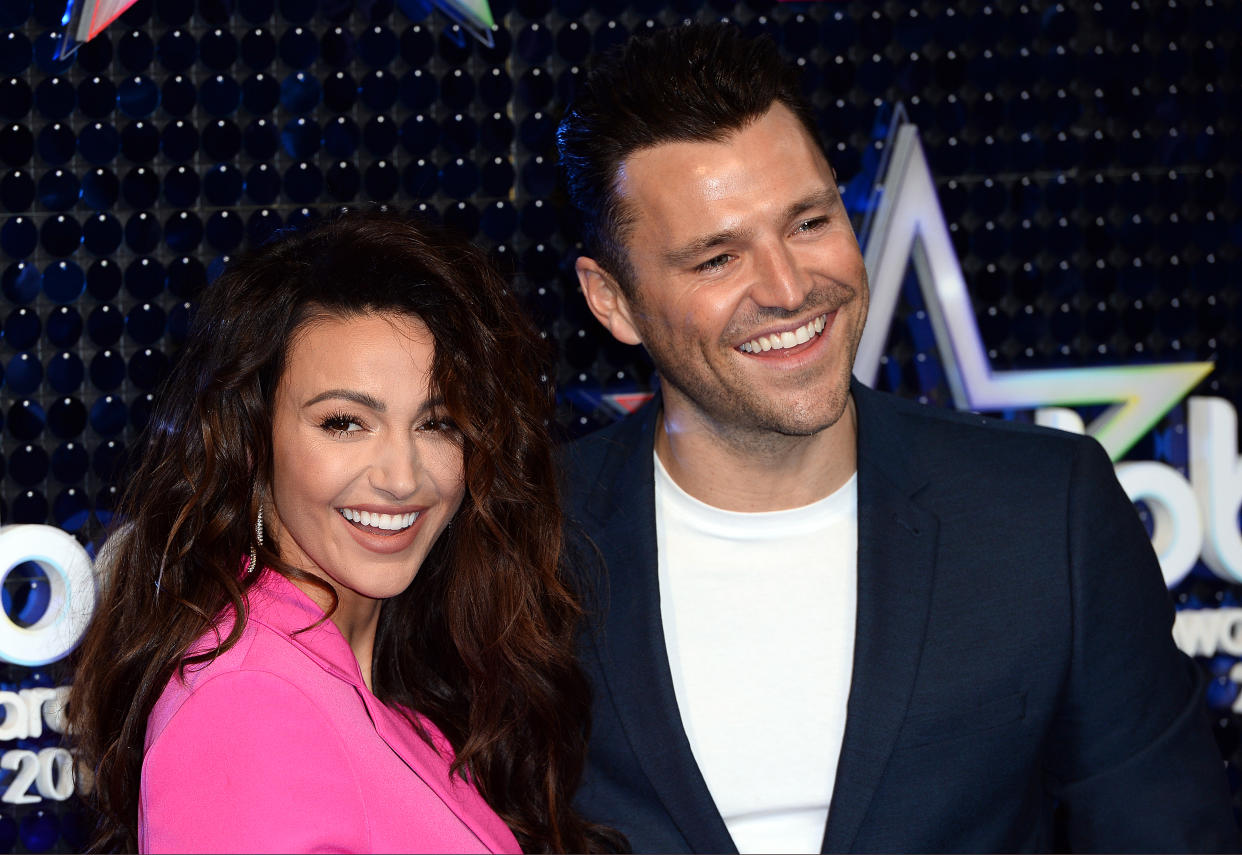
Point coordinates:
[[332, 617]]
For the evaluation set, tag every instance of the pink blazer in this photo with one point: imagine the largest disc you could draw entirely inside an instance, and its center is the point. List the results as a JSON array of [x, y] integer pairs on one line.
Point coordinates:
[[278, 746]]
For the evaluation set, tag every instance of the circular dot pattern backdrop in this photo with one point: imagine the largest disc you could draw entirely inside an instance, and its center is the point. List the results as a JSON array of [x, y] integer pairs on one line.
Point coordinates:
[[1086, 156]]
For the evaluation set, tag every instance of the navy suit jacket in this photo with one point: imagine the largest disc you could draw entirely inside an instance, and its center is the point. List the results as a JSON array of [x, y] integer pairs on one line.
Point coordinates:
[[1013, 651]]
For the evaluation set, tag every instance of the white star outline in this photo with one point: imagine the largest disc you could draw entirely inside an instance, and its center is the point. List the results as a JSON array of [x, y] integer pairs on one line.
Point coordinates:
[[909, 224]]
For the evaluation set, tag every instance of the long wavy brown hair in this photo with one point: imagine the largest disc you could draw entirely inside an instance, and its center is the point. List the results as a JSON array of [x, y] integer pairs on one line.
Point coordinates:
[[480, 643]]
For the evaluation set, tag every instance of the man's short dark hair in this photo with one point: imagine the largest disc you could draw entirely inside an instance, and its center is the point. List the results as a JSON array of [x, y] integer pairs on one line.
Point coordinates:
[[691, 83]]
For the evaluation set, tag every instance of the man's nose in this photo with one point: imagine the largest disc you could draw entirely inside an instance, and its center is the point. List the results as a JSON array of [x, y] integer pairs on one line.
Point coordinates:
[[779, 280]]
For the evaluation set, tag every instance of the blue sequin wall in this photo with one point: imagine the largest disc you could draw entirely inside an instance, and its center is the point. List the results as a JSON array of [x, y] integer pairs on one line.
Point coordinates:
[[1086, 155]]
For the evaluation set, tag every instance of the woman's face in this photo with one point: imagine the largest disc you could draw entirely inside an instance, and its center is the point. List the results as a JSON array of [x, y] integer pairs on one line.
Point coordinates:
[[367, 471]]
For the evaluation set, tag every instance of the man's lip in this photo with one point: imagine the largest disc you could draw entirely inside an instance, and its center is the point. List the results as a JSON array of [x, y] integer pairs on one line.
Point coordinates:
[[827, 316]]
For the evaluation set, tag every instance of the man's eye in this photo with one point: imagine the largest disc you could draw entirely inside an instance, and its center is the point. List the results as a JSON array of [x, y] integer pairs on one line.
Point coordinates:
[[812, 224], [714, 263]]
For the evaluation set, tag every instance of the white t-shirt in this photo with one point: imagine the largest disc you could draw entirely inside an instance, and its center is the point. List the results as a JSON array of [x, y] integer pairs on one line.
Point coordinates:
[[758, 612]]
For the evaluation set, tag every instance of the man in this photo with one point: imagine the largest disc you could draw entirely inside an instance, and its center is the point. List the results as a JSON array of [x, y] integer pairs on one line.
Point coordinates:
[[829, 618]]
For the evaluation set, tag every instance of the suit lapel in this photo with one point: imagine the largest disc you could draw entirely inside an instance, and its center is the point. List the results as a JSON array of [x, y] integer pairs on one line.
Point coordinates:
[[896, 560], [631, 646]]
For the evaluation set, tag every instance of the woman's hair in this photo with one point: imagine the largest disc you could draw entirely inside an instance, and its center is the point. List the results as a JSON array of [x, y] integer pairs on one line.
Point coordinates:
[[481, 643]]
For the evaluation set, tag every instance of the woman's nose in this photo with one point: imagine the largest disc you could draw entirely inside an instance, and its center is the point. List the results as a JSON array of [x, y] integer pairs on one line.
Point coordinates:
[[398, 468]]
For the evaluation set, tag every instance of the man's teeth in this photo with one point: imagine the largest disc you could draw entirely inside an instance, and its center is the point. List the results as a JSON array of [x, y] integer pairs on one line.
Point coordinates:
[[387, 522], [780, 341]]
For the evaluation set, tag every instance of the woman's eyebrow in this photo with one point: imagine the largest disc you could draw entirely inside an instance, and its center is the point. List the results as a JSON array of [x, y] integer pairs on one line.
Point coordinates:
[[369, 401], [360, 398]]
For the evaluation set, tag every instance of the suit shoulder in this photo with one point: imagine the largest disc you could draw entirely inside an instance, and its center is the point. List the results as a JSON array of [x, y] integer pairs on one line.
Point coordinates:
[[950, 448], [582, 459], [610, 435], [973, 432]]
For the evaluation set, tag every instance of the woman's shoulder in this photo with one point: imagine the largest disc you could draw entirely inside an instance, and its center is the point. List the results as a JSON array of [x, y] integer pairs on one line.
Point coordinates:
[[271, 656], [231, 750], [238, 668]]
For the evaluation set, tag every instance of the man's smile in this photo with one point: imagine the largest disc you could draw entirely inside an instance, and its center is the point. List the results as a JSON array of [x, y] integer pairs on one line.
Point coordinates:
[[789, 338]]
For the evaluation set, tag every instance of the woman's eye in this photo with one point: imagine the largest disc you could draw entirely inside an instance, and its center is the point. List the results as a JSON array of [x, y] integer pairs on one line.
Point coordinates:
[[340, 424], [438, 425]]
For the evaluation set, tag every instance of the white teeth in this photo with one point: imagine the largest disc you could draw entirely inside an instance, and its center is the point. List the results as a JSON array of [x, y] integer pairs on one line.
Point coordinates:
[[780, 341], [384, 522]]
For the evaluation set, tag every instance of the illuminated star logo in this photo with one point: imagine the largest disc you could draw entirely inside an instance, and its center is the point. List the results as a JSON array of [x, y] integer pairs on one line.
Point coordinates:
[[909, 224], [474, 16], [85, 19], [617, 402]]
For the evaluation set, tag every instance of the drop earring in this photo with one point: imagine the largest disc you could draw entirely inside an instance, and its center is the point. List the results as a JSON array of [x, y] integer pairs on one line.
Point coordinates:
[[258, 541]]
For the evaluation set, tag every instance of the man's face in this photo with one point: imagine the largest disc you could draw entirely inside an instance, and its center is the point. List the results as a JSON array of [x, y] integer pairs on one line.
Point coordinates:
[[748, 288]]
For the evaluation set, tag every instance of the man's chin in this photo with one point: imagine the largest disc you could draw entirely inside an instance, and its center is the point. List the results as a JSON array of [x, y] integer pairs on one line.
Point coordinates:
[[788, 424], [807, 421]]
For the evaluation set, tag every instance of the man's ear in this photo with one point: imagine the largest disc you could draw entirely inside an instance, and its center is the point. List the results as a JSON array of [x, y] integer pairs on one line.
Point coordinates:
[[606, 300]]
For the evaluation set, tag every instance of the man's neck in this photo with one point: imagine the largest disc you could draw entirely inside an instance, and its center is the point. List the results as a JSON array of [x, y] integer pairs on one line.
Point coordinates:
[[757, 471]]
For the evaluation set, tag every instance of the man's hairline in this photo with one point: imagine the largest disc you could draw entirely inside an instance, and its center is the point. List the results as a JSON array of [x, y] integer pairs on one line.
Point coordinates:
[[625, 216]]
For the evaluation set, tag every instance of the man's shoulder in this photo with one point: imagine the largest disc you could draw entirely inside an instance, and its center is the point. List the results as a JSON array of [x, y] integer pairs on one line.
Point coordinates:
[[947, 449], [934, 430], [582, 459], [888, 424]]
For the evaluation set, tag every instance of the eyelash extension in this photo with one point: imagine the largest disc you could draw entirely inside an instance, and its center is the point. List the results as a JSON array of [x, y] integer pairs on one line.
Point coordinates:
[[338, 423], [333, 423], [439, 424]]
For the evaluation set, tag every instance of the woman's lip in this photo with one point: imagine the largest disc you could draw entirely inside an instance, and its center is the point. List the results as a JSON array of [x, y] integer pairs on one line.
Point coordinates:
[[381, 541], [384, 509]]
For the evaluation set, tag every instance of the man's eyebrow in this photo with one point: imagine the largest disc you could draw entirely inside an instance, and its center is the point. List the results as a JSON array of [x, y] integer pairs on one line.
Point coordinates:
[[697, 248], [826, 198], [360, 398]]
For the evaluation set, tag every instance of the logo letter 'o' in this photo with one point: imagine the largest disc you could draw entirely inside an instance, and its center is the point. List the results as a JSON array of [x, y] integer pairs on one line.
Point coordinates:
[[1178, 530], [72, 599]]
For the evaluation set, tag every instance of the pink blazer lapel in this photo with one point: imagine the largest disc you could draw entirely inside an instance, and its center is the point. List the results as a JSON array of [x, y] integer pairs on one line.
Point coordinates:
[[433, 768]]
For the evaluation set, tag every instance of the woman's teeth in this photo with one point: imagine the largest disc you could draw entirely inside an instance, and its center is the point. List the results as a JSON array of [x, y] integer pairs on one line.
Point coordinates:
[[792, 338], [387, 522]]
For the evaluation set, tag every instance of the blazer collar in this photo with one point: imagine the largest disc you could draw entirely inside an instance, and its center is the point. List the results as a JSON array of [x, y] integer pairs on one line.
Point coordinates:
[[896, 565], [283, 607], [896, 562], [630, 643], [280, 605]]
